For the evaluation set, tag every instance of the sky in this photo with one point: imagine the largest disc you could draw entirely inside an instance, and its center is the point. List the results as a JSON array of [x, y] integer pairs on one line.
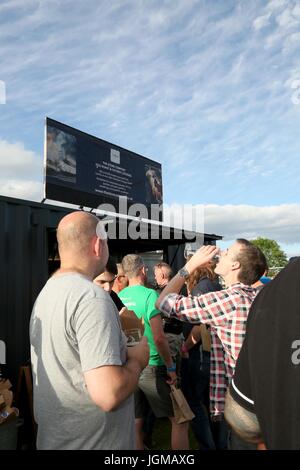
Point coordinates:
[[210, 89]]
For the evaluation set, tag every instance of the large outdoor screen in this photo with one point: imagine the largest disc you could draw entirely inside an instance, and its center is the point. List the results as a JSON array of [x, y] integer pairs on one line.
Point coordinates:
[[84, 170]]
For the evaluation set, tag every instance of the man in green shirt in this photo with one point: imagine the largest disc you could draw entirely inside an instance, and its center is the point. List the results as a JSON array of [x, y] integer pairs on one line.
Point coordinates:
[[153, 384]]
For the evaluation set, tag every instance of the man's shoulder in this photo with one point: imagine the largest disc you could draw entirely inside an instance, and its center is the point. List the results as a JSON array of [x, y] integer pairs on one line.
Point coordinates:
[[75, 286], [138, 289], [240, 287], [69, 278], [150, 294], [243, 291]]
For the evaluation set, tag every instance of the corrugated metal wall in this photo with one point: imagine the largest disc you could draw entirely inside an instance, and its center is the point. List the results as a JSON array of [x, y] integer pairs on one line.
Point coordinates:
[[23, 272]]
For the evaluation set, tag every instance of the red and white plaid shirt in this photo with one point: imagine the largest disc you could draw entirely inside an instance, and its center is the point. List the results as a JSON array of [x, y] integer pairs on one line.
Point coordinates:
[[218, 378], [226, 311]]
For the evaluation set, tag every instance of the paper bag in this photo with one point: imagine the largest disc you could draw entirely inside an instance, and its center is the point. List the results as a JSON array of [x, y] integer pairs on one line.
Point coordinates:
[[182, 410], [129, 321], [7, 395], [133, 336], [5, 384]]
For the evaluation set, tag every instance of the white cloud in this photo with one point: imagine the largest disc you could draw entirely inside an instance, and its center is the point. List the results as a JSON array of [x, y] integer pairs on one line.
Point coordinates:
[[19, 163], [296, 11], [274, 5], [281, 223], [198, 85], [286, 19], [7, 5], [292, 43], [20, 172], [2, 92], [28, 190], [261, 21]]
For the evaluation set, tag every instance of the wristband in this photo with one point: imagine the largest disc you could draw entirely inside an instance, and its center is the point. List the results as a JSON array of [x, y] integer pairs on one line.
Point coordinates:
[[172, 368]]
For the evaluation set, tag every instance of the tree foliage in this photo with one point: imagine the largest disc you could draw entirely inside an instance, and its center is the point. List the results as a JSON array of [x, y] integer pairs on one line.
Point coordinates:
[[276, 257]]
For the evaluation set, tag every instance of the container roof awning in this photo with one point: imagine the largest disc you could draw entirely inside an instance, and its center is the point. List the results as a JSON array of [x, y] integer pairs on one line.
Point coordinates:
[[153, 236], [129, 232]]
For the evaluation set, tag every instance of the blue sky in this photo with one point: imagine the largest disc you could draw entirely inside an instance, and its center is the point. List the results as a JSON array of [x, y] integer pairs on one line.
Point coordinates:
[[211, 89]]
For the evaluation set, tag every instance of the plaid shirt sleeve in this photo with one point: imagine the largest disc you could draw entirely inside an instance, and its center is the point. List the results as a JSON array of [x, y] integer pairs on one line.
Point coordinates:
[[218, 380], [214, 308]]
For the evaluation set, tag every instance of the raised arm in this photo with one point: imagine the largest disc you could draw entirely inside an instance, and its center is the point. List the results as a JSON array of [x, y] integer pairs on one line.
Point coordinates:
[[200, 258]]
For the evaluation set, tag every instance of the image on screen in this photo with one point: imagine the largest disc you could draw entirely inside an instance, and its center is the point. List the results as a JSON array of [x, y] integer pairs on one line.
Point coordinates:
[[61, 155]]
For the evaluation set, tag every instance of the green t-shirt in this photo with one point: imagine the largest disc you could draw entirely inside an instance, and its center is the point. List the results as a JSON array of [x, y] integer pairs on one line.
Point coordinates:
[[142, 300]]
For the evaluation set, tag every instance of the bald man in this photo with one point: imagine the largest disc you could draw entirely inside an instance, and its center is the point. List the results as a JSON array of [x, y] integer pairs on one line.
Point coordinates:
[[83, 374]]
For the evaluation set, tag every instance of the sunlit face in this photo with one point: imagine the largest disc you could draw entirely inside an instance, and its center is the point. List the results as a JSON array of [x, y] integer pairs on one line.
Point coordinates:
[[100, 251], [227, 259], [122, 279], [104, 256], [159, 276], [143, 273], [105, 281]]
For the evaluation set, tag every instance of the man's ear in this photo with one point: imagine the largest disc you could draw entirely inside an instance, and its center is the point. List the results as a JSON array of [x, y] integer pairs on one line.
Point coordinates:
[[235, 265], [97, 247]]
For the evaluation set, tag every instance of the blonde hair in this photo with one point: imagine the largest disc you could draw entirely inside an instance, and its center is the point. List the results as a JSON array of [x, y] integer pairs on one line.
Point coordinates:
[[132, 264]]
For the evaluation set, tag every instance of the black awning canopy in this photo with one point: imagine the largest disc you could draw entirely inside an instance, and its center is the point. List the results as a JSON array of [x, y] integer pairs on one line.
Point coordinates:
[[151, 236]]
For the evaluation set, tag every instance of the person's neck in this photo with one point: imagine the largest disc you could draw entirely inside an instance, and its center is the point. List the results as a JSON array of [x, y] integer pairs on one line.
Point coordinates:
[[231, 279], [136, 281], [68, 268]]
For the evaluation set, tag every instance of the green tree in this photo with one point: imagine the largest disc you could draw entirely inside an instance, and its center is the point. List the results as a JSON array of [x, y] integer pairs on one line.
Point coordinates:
[[276, 257]]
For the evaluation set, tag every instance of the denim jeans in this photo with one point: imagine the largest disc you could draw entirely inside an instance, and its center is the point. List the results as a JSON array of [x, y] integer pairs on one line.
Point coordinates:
[[195, 386]]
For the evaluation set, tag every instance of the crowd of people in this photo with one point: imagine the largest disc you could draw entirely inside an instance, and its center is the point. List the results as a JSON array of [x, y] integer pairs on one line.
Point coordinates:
[[227, 346]]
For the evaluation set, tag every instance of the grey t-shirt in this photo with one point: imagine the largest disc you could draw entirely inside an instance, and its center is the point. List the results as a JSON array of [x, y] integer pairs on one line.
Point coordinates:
[[74, 328]]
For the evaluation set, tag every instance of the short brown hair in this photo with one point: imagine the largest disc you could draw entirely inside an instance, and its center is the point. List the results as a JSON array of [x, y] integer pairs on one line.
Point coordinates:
[[252, 261]]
